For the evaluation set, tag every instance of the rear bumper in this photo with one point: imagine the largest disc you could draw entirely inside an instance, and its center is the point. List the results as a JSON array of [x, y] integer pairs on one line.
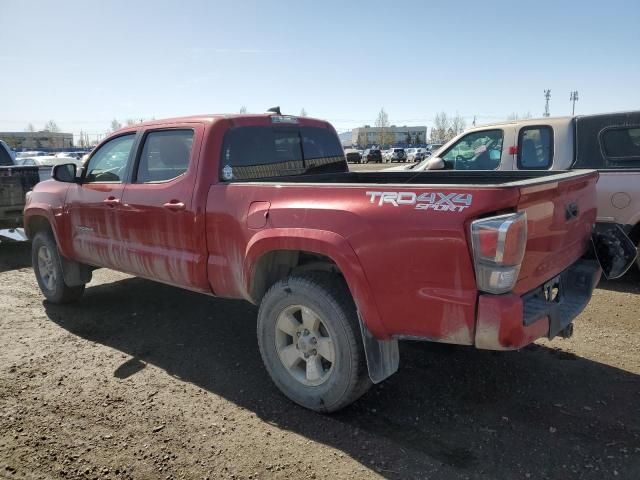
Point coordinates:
[[509, 322]]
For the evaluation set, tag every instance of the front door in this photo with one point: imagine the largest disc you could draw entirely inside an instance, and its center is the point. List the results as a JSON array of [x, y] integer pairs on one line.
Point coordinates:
[[94, 203]]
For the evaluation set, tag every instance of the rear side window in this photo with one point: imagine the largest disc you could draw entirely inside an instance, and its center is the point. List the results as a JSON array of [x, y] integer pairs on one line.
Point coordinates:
[[535, 148], [621, 145], [165, 155], [261, 152]]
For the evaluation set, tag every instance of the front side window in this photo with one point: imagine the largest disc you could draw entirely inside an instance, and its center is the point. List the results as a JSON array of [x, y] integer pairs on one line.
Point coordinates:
[[262, 152], [475, 151], [109, 163], [621, 146], [165, 155], [535, 148]]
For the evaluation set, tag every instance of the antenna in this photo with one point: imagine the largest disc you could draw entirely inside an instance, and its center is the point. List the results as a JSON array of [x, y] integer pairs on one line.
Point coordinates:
[[573, 97], [275, 110], [547, 97]]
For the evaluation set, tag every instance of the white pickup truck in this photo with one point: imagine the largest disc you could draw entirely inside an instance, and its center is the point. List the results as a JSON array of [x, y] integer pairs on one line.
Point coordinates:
[[609, 143]]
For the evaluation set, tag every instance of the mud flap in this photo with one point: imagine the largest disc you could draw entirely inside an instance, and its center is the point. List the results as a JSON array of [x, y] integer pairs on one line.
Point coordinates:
[[383, 356], [74, 273], [613, 249]]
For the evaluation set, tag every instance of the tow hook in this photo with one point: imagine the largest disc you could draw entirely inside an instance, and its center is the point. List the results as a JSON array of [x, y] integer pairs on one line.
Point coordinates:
[[567, 332]]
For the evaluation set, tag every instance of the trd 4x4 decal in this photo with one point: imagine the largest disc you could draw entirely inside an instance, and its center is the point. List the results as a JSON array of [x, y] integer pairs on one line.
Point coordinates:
[[440, 202]]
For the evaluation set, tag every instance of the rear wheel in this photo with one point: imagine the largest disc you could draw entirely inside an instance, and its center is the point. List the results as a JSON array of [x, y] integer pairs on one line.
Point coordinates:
[[47, 265], [310, 341]]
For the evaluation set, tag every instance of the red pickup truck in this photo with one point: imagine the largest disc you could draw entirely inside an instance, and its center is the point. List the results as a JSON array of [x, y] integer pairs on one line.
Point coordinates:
[[342, 264]]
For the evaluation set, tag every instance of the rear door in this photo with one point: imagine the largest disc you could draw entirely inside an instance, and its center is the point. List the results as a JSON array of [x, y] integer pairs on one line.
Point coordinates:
[[162, 229], [93, 204]]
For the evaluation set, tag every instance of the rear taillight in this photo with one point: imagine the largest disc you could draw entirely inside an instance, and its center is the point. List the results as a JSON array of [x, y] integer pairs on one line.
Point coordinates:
[[498, 248]]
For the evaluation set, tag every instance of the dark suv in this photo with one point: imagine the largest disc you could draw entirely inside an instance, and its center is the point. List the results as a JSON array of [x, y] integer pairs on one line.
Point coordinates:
[[353, 156], [372, 155]]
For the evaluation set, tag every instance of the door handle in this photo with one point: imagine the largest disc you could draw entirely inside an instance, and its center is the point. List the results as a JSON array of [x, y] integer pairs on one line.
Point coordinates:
[[175, 206], [111, 201]]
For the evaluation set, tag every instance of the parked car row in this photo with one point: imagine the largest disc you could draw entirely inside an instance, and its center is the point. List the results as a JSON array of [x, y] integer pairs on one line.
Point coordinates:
[[395, 154]]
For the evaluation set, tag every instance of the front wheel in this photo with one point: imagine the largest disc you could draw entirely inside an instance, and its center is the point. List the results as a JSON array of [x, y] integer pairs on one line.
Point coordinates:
[[47, 265], [310, 341]]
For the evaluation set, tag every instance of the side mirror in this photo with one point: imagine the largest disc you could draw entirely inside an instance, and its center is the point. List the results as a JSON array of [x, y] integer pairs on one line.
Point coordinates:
[[435, 163], [64, 173]]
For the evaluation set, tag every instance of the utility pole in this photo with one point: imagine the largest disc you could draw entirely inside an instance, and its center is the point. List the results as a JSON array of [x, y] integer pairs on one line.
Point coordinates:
[[547, 97], [573, 98]]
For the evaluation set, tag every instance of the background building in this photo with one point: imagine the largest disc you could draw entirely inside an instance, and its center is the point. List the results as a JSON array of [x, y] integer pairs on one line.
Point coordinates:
[[392, 135], [36, 140]]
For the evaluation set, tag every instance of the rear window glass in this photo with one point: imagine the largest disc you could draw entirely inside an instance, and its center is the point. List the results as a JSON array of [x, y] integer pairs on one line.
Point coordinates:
[[261, 152], [535, 148], [621, 145]]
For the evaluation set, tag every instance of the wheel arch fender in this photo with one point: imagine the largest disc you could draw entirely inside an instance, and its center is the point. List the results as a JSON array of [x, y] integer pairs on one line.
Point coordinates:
[[40, 219], [380, 349], [37, 219]]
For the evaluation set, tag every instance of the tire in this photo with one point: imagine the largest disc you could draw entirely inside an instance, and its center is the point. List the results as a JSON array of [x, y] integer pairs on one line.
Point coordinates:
[[47, 265], [316, 382]]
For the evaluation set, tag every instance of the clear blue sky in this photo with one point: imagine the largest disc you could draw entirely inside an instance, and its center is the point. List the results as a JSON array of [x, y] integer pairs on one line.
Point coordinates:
[[83, 63]]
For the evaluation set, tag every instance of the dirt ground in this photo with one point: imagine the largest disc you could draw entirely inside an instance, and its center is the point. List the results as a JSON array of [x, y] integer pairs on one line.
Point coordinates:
[[141, 380]]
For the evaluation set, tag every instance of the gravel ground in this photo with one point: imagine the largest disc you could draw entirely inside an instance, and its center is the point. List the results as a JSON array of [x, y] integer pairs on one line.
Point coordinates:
[[141, 380]]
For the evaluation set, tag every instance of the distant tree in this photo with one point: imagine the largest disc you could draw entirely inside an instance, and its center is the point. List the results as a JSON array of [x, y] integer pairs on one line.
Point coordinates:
[[243, 109], [418, 139], [450, 134], [515, 116], [51, 126], [303, 112], [115, 125], [385, 136], [30, 128], [408, 139], [440, 128], [458, 124], [130, 121]]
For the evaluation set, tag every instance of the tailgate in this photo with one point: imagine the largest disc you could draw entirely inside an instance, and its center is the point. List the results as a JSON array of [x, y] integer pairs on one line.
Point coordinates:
[[15, 182], [560, 219]]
